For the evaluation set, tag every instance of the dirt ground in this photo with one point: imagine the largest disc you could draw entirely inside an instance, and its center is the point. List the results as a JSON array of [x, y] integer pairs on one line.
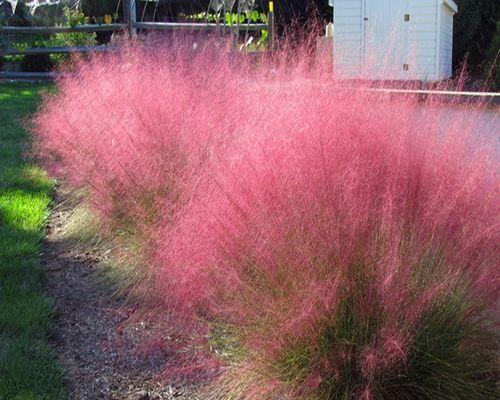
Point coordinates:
[[99, 348]]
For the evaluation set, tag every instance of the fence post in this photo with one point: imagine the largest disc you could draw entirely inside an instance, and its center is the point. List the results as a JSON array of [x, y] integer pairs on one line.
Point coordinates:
[[130, 14], [270, 22]]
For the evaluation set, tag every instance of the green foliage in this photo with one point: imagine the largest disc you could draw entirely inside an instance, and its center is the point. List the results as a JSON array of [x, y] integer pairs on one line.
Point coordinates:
[[232, 19], [493, 60], [74, 17], [71, 17], [27, 366], [252, 17], [474, 29]]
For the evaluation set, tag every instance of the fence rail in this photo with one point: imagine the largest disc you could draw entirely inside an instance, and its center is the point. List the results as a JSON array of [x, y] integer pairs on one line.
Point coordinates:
[[195, 26], [49, 30], [38, 76], [55, 50], [131, 27]]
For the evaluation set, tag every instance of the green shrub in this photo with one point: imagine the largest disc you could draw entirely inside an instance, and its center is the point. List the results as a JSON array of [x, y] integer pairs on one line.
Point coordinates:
[[493, 60], [474, 29], [47, 62], [231, 19]]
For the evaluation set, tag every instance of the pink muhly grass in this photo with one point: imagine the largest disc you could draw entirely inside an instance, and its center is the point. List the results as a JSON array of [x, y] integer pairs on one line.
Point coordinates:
[[340, 243], [92, 131]]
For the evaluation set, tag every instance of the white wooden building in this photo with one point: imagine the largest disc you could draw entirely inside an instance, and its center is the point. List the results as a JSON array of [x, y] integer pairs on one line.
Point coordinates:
[[393, 39]]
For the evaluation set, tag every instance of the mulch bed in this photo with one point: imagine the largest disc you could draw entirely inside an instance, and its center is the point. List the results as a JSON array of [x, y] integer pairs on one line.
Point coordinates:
[[99, 346]]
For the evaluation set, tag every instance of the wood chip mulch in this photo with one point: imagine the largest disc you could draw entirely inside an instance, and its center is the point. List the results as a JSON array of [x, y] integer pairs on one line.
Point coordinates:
[[100, 353]]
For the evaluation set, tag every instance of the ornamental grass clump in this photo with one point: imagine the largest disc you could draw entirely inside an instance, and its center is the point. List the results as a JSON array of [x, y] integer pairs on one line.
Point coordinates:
[[351, 248], [329, 242], [134, 128]]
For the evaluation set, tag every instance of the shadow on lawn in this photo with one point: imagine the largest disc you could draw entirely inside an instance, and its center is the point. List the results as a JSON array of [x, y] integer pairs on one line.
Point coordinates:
[[27, 366]]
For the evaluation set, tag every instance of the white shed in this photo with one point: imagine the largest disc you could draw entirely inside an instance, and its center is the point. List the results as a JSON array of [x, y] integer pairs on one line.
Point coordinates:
[[393, 39]]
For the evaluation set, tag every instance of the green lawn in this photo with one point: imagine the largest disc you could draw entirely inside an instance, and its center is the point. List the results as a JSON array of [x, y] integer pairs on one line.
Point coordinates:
[[28, 370]]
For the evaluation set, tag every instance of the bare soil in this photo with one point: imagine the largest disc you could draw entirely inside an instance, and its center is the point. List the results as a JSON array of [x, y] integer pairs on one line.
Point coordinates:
[[100, 348]]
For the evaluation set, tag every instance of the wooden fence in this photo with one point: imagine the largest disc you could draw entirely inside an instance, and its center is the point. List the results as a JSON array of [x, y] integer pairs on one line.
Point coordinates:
[[131, 26]]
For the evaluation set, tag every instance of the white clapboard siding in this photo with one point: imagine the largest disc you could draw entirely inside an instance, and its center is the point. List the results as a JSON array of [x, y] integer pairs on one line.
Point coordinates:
[[372, 39], [348, 33], [422, 35]]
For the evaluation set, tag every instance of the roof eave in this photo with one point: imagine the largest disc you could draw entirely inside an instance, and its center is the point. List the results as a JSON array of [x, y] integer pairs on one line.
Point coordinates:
[[451, 5]]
